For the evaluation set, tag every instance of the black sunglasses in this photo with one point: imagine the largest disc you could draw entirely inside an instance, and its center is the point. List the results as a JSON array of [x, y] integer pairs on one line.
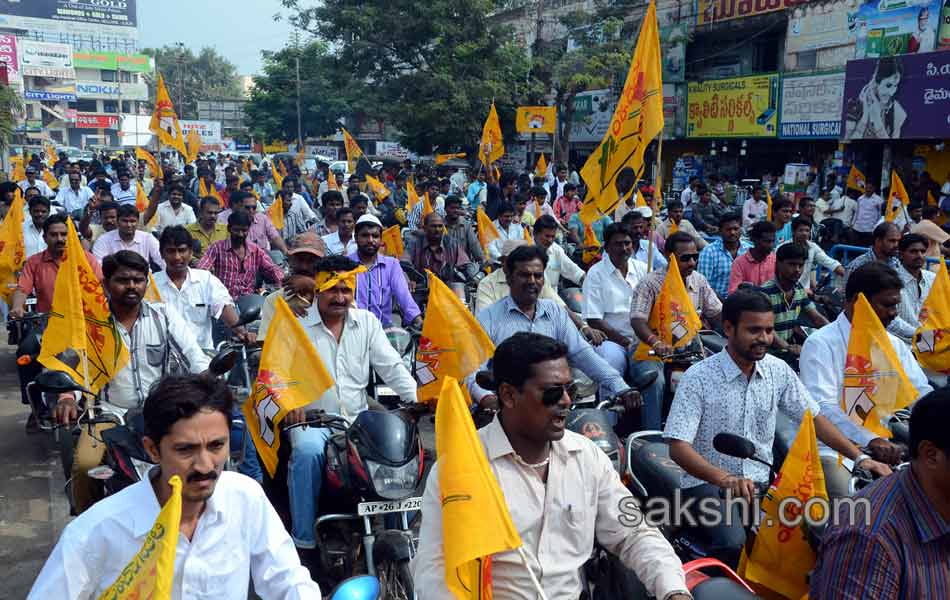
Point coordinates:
[[689, 257], [552, 395]]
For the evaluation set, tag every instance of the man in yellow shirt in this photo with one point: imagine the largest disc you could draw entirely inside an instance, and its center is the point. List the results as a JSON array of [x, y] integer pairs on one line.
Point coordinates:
[[207, 230]]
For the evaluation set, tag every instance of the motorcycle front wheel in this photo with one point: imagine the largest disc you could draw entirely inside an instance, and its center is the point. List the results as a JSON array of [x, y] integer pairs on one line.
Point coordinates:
[[395, 580]]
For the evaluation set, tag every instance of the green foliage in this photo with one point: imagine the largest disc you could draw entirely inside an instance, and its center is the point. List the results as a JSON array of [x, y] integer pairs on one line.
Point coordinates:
[[10, 107], [190, 77]]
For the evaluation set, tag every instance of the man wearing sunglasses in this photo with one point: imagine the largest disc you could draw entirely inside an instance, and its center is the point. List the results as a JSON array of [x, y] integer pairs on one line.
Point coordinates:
[[681, 247], [523, 311], [545, 470]]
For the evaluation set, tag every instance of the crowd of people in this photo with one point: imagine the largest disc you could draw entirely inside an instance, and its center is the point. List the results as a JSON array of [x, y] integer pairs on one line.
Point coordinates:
[[205, 237]]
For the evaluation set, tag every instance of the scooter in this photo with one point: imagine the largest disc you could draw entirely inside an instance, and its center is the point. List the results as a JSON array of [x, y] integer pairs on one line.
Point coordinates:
[[374, 466]]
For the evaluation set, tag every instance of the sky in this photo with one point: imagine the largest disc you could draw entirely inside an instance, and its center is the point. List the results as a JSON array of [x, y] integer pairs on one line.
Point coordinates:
[[237, 29]]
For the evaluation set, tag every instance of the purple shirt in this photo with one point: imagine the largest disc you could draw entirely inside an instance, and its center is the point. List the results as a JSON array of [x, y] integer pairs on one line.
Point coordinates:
[[376, 289]]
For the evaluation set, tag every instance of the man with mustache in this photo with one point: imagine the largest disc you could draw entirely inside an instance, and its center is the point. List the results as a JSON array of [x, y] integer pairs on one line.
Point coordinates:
[[236, 261], [127, 236], [159, 341], [241, 535], [352, 344]]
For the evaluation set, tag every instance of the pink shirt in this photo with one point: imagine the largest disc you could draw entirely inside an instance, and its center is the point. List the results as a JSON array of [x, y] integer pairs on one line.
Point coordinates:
[[564, 207], [746, 270], [261, 232]]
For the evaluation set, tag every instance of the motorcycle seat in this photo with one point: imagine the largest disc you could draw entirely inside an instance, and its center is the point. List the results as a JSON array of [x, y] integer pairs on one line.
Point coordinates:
[[651, 464], [720, 588]]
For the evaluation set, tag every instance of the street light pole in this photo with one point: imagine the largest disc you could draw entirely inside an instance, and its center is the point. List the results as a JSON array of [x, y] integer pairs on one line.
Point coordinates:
[[299, 120]]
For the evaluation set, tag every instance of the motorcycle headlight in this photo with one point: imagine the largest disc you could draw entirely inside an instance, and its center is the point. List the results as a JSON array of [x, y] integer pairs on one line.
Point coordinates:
[[394, 483]]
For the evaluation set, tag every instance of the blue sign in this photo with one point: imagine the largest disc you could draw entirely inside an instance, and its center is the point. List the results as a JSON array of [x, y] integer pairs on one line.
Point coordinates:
[[49, 96], [242, 147]]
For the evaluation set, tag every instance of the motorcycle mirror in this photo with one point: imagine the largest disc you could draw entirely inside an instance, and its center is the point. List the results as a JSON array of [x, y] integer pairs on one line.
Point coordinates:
[[58, 382], [484, 380], [223, 362], [733, 445], [361, 587]]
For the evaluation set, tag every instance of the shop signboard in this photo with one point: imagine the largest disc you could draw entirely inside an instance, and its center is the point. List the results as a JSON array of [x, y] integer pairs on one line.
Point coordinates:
[[210, 131], [892, 27], [393, 150], [714, 11], [8, 56], [102, 90], [113, 61], [811, 106], [898, 97], [96, 121], [45, 59], [275, 147], [593, 111], [49, 89], [737, 107], [331, 152], [817, 25]]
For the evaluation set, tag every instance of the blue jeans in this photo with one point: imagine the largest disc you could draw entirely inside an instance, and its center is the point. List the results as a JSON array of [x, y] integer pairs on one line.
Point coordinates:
[[304, 480], [615, 356], [653, 395], [240, 435]]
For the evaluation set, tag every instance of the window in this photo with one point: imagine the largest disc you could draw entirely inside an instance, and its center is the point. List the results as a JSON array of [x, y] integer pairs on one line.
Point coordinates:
[[107, 75], [125, 76], [127, 106], [87, 105], [110, 106]]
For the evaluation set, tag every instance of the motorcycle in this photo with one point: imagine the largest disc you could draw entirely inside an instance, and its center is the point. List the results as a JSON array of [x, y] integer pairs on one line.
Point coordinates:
[[27, 333], [828, 299], [374, 468], [704, 586]]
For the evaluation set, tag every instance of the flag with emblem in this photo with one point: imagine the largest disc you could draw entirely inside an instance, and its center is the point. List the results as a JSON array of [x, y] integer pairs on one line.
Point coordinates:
[[673, 317], [291, 376], [637, 119], [536, 119], [453, 344], [81, 337], [492, 146], [875, 384], [164, 121], [392, 242], [475, 520], [151, 572], [12, 246], [932, 339], [856, 179], [781, 557], [357, 161], [380, 191], [487, 232], [897, 200]]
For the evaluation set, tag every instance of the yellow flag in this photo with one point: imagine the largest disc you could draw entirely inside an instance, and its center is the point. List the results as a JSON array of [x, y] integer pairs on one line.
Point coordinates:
[[541, 168], [591, 245], [353, 151], [673, 317], [291, 376], [492, 146], [331, 181], [781, 556], [932, 339], [453, 344], [426, 206], [164, 121], [282, 168], [151, 293], [898, 192], [487, 232], [527, 236], [151, 161], [768, 200], [150, 573], [637, 119], [81, 338], [875, 384], [412, 197], [141, 200], [931, 201], [12, 247], [50, 179], [444, 158], [536, 119], [278, 178], [392, 242], [640, 202], [673, 228], [194, 145], [298, 160], [204, 191], [380, 191], [19, 173], [276, 212], [856, 179], [475, 518], [50, 155]]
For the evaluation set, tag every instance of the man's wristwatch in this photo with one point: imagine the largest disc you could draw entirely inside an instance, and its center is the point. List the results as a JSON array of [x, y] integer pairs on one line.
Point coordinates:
[[860, 459]]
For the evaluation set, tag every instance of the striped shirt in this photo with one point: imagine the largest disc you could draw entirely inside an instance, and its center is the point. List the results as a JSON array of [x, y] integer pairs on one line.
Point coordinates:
[[867, 258], [786, 313], [897, 547], [715, 263]]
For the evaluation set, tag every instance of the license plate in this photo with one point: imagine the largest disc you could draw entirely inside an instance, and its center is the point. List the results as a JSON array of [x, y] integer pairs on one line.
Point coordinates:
[[377, 508]]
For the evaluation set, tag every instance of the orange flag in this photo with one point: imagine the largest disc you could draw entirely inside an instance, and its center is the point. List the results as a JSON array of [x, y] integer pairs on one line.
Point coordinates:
[[487, 232], [12, 246], [392, 242], [276, 212], [898, 192], [673, 317], [164, 121]]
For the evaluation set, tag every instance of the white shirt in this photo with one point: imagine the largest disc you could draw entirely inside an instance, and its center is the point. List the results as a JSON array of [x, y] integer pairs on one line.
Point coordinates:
[[143, 243], [124, 196], [335, 245], [753, 211], [913, 295], [821, 368], [362, 347], [38, 184], [167, 217], [561, 265], [868, 213], [202, 297], [687, 196], [945, 190], [515, 231], [74, 199], [557, 521], [607, 293], [815, 256], [239, 535], [33, 241]]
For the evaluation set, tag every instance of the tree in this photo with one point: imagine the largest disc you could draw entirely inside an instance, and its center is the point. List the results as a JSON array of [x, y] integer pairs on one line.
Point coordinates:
[[326, 93], [431, 69], [191, 77], [10, 109]]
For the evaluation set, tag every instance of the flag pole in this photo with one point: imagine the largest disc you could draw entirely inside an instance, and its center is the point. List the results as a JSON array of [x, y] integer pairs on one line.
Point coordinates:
[[656, 190], [534, 578]]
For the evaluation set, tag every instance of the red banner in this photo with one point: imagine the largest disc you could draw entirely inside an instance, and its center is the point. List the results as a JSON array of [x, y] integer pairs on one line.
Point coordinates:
[[96, 121]]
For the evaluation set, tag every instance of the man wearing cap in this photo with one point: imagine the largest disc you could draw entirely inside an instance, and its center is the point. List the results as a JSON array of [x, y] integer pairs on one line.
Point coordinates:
[[383, 282], [306, 250], [32, 181], [352, 344]]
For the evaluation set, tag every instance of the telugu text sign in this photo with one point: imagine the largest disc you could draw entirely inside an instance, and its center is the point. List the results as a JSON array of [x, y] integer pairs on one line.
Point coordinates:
[[8, 56], [714, 11], [811, 106], [96, 121], [738, 107]]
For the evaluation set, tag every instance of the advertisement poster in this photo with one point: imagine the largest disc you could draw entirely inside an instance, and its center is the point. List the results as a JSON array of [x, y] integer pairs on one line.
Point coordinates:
[[714, 11], [592, 113], [113, 61], [892, 27], [674, 110], [210, 131], [327, 151], [100, 90], [812, 26], [898, 97], [54, 90], [674, 33], [99, 12], [44, 59], [738, 107], [8, 56], [811, 106], [96, 121], [393, 150]]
